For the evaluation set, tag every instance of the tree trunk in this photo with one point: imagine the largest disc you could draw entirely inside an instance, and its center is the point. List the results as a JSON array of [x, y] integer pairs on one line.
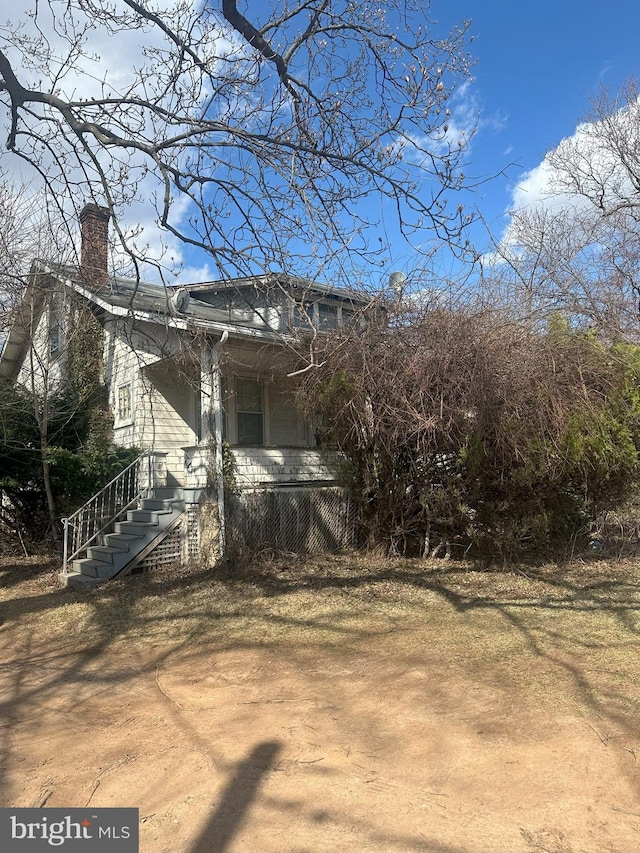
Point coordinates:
[[46, 478]]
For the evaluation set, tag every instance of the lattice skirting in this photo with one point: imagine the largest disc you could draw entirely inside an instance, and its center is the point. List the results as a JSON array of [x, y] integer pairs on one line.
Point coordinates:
[[300, 520], [191, 533], [182, 544]]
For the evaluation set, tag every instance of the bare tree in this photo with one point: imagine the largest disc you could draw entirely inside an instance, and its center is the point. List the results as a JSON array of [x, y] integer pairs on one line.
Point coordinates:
[[569, 263], [263, 137], [51, 400], [576, 251], [600, 163]]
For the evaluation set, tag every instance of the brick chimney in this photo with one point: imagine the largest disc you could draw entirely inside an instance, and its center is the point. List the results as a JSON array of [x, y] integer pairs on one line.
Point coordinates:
[[94, 225]]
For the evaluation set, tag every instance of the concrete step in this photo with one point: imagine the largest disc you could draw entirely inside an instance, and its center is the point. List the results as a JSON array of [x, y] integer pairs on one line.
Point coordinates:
[[157, 505], [89, 567], [77, 580], [96, 569], [132, 528], [145, 516], [129, 539], [102, 553], [171, 493], [121, 541]]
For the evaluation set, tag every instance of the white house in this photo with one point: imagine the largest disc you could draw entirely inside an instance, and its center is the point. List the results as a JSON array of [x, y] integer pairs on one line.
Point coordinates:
[[186, 369]]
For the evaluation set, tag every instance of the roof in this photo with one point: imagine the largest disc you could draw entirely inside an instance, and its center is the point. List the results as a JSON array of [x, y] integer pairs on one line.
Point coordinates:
[[183, 306], [187, 302]]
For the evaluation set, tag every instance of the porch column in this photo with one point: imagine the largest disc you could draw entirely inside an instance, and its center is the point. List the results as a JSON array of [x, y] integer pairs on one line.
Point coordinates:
[[211, 423], [207, 402]]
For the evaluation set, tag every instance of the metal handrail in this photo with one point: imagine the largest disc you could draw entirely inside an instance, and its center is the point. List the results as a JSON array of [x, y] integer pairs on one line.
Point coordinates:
[[99, 512]]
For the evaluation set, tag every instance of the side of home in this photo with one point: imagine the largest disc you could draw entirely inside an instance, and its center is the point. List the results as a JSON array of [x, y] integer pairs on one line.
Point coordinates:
[[187, 370]]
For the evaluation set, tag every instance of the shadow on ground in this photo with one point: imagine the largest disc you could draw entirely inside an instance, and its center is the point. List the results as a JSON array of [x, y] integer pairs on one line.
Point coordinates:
[[573, 618]]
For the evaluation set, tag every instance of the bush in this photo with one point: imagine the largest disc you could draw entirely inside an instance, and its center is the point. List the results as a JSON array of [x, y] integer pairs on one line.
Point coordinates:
[[80, 455], [462, 429]]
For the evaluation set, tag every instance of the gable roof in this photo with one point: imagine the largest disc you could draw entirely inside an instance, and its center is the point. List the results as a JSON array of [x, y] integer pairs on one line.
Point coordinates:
[[186, 305], [25, 318]]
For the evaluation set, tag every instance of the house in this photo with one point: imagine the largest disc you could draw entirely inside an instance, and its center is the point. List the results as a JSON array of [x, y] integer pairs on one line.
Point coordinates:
[[189, 371]]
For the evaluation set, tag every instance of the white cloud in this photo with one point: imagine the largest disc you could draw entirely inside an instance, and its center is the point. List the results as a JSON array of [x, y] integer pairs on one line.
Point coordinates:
[[533, 188], [596, 162], [583, 192]]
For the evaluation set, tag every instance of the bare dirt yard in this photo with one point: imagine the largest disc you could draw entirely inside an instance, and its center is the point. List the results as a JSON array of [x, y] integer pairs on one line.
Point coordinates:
[[341, 704]]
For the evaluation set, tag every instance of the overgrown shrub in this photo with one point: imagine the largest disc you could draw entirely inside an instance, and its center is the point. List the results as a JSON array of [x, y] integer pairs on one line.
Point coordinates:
[[80, 457], [464, 430]]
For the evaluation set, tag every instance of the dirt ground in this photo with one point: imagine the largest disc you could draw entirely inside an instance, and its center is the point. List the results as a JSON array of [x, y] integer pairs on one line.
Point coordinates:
[[332, 706]]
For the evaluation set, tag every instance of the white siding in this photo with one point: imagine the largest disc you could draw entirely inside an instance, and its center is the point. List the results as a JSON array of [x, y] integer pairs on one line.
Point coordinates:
[[268, 466], [169, 416], [158, 405], [42, 371], [277, 466]]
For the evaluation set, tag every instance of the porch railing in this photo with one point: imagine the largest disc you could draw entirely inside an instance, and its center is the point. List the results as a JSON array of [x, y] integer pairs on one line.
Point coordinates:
[[110, 503]]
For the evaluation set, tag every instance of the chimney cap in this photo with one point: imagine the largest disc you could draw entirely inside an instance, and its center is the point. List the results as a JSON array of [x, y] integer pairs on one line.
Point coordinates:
[[93, 209]]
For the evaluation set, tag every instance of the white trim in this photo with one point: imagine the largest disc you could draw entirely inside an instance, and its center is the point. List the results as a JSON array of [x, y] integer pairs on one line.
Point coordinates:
[[121, 420]]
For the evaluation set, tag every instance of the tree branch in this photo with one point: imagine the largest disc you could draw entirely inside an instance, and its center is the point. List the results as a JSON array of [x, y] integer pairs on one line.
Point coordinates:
[[253, 37]]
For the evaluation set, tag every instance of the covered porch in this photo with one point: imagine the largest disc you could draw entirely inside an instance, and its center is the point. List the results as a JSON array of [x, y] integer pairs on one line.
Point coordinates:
[[239, 398]]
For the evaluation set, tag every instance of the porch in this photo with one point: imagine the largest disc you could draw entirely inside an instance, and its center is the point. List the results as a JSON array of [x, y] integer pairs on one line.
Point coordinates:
[[263, 467], [243, 402], [287, 497]]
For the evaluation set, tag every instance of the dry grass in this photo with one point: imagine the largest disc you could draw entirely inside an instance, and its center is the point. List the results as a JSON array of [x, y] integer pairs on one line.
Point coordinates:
[[492, 614]]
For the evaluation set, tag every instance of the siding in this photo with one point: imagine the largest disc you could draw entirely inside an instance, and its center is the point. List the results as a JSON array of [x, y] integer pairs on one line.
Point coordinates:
[[41, 371], [283, 465], [163, 408], [168, 417]]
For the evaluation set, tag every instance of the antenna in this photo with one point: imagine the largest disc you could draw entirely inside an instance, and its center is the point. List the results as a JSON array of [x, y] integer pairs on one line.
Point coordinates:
[[396, 283]]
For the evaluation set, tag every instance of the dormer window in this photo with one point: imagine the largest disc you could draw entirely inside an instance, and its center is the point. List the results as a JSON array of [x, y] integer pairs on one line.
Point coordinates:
[[303, 315], [327, 316], [319, 315]]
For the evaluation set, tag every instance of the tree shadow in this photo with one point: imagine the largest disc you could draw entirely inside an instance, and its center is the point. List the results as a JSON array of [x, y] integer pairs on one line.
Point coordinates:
[[16, 572], [118, 607], [232, 809]]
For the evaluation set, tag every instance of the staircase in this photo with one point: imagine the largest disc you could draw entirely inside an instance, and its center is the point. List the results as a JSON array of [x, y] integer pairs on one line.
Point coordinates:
[[119, 526], [117, 552]]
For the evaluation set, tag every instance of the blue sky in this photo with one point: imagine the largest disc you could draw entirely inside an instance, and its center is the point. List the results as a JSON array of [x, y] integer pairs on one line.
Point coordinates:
[[538, 64]]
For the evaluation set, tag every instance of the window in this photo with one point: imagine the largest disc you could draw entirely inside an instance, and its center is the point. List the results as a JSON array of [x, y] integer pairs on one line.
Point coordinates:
[[327, 316], [125, 403], [249, 412], [320, 315], [55, 336], [303, 315]]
